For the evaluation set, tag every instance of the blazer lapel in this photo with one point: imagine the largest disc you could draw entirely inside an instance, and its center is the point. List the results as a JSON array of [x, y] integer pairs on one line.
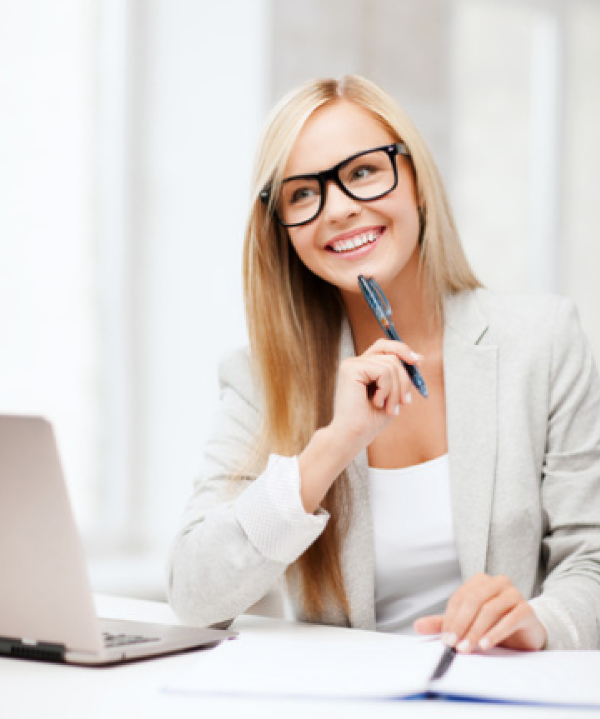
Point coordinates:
[[471, 386], [471, 381]]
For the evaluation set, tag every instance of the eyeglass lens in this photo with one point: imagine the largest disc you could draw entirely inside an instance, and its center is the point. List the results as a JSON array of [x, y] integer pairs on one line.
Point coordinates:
[[366, 177]]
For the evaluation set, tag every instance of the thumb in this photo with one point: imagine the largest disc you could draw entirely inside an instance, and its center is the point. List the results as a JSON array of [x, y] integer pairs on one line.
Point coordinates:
[[429, 625]]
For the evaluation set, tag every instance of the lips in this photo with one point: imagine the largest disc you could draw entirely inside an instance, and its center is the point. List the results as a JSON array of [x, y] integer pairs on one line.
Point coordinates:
[[349, 244]]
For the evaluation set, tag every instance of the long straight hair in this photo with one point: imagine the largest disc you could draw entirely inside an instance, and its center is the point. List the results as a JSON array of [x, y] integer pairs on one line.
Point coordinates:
[[294, 318]]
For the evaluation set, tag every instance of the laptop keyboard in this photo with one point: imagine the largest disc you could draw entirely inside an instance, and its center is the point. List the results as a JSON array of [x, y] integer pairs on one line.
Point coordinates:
[[121, 640]]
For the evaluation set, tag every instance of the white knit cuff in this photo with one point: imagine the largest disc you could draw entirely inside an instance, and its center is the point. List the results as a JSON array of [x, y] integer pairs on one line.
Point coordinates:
[[271, 513]]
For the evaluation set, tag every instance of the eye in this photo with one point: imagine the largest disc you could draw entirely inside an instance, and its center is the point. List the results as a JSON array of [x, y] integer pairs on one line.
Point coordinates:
[[363, 172], [302, 194], [300, 191]]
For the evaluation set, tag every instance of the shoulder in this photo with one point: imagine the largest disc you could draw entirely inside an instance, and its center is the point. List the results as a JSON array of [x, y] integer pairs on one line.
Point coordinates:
[[503, 307], [236, 375], [537, 338], [504, 316], [237, 421]]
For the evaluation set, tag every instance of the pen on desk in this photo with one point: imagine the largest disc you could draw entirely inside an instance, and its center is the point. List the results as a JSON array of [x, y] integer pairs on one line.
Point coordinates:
[[380, 307], [444, 663]]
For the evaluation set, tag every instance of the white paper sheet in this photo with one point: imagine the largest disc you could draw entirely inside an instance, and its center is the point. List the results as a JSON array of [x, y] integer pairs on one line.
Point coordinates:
[[555, 677], [379, 667], [314, 662]]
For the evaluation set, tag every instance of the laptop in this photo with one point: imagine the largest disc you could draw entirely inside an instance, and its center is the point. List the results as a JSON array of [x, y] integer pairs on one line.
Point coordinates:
[[47, 609]]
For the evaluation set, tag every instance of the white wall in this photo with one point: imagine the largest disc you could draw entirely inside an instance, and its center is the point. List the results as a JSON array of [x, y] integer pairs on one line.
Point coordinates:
[[203, 102], [194, 79], [525, 178], [580, 251], [49, 330], [494, 175]]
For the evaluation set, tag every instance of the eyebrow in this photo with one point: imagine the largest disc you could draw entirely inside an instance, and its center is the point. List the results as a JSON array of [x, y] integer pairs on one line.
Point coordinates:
[[386, 146]]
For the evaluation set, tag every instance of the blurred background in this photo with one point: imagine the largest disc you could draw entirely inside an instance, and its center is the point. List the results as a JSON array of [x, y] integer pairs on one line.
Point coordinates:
[[127, 131]]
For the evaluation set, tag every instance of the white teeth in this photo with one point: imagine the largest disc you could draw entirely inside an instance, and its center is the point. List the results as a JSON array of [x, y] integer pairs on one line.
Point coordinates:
[[355, 242]]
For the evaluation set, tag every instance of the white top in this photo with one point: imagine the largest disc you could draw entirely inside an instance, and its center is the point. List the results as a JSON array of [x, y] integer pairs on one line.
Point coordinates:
[[416, 562]]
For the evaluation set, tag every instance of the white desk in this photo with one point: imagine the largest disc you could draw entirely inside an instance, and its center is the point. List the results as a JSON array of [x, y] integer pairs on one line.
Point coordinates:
[[32, 689]]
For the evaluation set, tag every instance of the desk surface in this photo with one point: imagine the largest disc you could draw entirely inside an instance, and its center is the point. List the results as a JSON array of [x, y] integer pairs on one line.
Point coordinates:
[[33, 689]]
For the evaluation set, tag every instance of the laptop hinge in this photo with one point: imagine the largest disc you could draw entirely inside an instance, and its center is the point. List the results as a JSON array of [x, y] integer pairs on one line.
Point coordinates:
[[30, 649]]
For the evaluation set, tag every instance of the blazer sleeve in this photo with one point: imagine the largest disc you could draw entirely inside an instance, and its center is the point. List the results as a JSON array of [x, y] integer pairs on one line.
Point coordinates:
[[238, 536], [569, 604]]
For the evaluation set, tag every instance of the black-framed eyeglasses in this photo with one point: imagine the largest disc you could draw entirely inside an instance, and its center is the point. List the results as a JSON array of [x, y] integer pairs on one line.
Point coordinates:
[[366, 176]]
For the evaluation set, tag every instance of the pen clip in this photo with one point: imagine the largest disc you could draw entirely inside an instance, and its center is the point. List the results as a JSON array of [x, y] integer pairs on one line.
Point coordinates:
[[376, 300], [383, 300]]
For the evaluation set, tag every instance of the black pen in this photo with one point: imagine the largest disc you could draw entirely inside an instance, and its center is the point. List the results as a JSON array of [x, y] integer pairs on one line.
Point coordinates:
[[444, 663], [380, 307]]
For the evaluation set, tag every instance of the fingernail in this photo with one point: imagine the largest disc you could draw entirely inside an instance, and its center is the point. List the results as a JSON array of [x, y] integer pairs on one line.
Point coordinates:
[[408, 398], [416, 356], [484, 643], [397, 409], [449, 639], [464, 646]]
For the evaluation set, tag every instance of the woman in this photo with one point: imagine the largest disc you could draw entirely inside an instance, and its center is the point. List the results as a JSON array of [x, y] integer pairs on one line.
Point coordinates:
[[473, 513]]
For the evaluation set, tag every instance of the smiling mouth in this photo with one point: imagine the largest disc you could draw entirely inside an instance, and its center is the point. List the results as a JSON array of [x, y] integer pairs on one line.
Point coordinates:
[[353, 243]]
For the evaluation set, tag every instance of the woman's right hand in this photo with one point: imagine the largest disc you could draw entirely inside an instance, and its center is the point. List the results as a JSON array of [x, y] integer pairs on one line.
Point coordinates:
[[371, 390]]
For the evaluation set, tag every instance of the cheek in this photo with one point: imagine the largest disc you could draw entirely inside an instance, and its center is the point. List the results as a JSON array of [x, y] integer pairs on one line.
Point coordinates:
[[301, 240], [403, 211]]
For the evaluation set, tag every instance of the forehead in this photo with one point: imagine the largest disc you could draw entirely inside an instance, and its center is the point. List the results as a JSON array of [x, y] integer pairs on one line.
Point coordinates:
[[332, 133]]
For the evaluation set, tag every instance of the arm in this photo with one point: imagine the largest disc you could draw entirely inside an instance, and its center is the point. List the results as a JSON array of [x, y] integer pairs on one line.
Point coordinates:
[[569, 604], [238, 536], [566, 614]]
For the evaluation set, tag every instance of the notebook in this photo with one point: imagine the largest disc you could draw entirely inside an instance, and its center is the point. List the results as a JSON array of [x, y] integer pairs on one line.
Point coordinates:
[[47, 610], [277, 659]]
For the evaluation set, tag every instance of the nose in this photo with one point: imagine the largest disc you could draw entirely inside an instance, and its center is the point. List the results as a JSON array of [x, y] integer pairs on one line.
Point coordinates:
[[338, 205]]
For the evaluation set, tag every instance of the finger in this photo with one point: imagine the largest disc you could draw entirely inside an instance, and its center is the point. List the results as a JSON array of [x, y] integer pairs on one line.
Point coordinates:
[[465, 604], [429, 625], [386, 374], [376, 379], [518, 629], [506, 626], [472, 600], [403, 354], [394, 347], [490, 615], [402, 385]]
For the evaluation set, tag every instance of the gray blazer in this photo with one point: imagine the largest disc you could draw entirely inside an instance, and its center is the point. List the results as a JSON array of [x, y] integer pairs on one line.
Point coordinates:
[[523, 424]]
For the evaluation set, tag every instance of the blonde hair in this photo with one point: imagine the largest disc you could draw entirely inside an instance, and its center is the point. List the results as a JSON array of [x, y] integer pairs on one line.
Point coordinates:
[[294, 318]]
